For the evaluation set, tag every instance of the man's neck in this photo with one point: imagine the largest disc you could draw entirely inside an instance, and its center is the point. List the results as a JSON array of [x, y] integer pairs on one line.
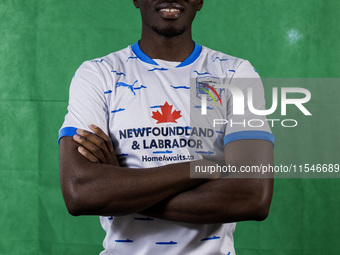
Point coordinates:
[[167, 48]]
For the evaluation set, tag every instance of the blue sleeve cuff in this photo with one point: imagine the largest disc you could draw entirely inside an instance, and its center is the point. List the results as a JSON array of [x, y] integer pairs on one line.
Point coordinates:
[[261, 135], [67, 131]]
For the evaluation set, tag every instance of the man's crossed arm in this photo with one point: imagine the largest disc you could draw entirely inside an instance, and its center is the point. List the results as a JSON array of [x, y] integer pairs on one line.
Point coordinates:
[[93, 183]]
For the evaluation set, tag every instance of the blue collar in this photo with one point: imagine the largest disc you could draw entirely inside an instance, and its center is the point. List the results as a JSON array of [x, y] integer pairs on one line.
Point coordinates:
[[145, 58]]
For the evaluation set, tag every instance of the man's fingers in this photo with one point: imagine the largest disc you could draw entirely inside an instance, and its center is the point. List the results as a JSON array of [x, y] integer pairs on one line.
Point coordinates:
[[94, 138], [87, 154], [101, 134], [90, 146], [97, 143]]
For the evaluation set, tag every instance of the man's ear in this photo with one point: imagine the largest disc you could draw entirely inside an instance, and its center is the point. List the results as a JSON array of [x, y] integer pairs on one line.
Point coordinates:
[[136, 3], [200, 4]]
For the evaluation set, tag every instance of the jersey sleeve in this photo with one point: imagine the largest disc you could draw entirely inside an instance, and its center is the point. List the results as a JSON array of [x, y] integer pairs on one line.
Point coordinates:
[[246, 125], [87, 104]]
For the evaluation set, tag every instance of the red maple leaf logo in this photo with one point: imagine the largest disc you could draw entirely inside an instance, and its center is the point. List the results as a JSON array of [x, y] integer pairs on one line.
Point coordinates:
[[166, 115]]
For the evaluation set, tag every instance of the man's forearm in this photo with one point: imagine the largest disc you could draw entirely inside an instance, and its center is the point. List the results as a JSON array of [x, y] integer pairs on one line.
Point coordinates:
[[231, 199], [222, 200], [99, 189]]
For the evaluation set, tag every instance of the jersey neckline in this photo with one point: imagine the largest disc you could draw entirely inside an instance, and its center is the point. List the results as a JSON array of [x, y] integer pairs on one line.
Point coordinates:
[[145, 58]]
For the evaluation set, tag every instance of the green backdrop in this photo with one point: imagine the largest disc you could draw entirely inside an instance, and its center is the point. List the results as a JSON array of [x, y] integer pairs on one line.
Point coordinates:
[[43, 42]]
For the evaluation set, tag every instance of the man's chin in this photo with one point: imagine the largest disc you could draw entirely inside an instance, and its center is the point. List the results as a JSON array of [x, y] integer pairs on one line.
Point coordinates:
[[169, 31]]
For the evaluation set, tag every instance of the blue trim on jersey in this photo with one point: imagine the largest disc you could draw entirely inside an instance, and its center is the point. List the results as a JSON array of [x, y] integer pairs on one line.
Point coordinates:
[[67, 131], [256, 134], [193, 56], [145, 58], [141, 55]]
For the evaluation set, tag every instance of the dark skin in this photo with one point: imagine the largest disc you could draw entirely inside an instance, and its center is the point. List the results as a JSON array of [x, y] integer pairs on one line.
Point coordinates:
[[208, 200], [94, 184]]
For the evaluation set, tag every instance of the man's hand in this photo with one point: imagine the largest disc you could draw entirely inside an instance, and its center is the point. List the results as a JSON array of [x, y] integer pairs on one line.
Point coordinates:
[[96, 147]]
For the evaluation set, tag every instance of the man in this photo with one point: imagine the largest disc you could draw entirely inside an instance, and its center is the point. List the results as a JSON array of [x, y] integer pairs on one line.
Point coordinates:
[[139, 98]]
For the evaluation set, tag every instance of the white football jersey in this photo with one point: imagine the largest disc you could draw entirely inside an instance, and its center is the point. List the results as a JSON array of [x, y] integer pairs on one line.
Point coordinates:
[[152, 110]]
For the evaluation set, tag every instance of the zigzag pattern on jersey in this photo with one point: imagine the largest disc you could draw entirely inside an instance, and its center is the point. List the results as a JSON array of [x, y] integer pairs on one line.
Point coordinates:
[[130, 87]]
